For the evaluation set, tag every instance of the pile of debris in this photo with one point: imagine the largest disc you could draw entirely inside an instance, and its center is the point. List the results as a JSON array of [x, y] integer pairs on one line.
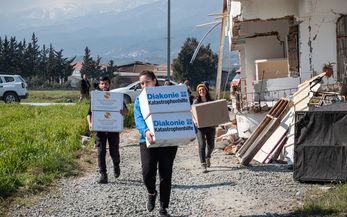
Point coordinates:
[[227, 138], [273, 138]]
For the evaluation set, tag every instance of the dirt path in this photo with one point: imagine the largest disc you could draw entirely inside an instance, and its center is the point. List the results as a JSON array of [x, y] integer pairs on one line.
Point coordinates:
[[228, 189]]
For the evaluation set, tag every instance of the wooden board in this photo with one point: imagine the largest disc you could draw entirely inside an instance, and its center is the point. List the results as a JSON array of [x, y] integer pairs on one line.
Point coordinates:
[[275, 138]]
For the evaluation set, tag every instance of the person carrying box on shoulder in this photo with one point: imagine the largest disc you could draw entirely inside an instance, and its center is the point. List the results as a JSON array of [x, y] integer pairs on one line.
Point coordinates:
[[102, 137], [151, 158]]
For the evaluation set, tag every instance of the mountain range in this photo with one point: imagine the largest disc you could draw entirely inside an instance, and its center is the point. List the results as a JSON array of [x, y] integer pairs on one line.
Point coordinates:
[[121, 31]]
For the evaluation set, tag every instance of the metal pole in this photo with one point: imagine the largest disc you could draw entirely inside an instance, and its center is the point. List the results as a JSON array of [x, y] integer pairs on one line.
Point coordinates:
[[168, 41], [200, 43], [220, 57]]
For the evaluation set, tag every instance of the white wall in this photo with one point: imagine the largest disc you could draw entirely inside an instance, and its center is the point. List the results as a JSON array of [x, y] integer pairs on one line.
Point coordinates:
[[260, 48], [317, 25], [321, 17], [266, 9]]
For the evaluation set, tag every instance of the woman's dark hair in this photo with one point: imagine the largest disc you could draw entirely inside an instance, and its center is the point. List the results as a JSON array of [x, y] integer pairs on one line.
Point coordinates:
[[208, 95], [149, 74]]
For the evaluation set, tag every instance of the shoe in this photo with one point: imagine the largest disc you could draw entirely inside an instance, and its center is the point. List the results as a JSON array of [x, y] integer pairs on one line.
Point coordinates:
[[208, 162], [103, 178], [116, 171], [163, 212], [203, 168], [151, 201]]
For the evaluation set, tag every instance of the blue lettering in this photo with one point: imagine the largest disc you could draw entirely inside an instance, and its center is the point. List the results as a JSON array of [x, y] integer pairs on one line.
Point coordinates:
[[163, 95], [184, 94], [165, 123]]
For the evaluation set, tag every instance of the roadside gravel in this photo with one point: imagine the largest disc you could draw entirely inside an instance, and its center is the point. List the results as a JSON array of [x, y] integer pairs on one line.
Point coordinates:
[[228, 189]]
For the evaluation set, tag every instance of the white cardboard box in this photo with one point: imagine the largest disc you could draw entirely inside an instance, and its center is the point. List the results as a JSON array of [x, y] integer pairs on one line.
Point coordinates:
[[171, 129], [105, 121], [106, 101], [164, 99]]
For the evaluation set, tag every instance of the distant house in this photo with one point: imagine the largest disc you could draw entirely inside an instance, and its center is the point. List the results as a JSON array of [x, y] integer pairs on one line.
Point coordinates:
[[75, 78], [129, 73], [284, 42]]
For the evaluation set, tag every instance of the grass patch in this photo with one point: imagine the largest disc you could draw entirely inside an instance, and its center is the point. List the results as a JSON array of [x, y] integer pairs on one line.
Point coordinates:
[[53, 96], [330, 203], [63, 96], [38, 144]]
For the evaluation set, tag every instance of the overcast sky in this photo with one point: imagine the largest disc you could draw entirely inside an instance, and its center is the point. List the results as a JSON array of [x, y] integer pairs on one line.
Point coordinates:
[[76, 7], [18, 5]]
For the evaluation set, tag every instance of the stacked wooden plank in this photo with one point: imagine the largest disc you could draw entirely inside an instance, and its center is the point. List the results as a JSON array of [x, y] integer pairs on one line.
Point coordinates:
[[274, 145], [262, 133]]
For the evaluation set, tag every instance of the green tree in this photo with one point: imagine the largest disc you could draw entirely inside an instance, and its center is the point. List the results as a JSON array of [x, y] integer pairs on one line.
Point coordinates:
[[38, 67], [51, 65], [87, 64], [43, 62], [5, 55], [33, 57], [19, 58], [97, 68], [204, 67]]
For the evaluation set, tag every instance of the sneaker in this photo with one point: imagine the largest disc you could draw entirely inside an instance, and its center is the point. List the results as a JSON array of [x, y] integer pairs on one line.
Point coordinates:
[[203, 168], [116, 171], [103, 178], [151, 201], [208, 162], [163, 212]]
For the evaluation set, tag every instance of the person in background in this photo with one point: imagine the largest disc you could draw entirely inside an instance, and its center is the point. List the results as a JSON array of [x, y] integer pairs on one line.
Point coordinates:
[[102, 137], [85, 85], [167, 82], [153, 158], [205, 135], [190, 92]]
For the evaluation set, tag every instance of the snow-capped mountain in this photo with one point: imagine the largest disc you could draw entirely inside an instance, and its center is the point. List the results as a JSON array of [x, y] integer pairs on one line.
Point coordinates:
[[121, 30]]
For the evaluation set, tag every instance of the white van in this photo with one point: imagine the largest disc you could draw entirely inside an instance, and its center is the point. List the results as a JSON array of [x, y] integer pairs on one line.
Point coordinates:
[[134, 89]]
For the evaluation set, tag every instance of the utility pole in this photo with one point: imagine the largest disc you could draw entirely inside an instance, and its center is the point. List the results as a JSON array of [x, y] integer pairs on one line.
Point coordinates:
[[168, 41], [220, 54]]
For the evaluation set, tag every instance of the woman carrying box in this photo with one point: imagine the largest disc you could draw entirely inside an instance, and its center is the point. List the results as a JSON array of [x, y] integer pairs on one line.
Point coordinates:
[[205, 135], [151, 158]]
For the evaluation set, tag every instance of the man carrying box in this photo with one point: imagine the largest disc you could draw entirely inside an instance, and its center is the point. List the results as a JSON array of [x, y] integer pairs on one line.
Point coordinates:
[[102, 137]]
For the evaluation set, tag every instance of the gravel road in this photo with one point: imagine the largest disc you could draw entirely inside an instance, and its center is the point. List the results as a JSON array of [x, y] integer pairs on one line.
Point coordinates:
[[228, 189]]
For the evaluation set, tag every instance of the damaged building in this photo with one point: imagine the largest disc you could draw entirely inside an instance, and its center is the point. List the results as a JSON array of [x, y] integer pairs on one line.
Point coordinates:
[[282, 43]]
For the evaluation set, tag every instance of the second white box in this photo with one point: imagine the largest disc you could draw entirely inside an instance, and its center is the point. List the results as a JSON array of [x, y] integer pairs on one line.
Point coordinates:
[[105, 121], [171, 129]]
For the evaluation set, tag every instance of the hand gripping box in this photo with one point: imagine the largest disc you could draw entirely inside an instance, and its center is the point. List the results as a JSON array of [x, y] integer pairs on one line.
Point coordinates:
[[164, 99], [105, 121], [106, 101], [171, 129], [211, 113]]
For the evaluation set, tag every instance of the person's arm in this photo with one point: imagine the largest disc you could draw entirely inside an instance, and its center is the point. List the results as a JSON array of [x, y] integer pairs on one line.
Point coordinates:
[[140, 122], [124, 111], [89, 118]]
